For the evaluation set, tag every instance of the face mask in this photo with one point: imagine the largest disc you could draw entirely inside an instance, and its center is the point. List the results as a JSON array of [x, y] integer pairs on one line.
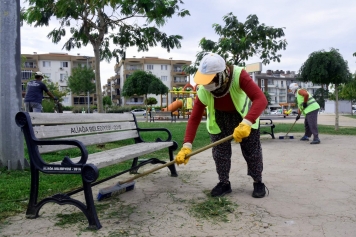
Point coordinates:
[[211, 87]]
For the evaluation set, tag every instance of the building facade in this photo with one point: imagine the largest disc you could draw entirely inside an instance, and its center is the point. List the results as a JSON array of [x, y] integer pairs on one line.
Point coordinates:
[[56, 67], [169, 71], [277, 82]]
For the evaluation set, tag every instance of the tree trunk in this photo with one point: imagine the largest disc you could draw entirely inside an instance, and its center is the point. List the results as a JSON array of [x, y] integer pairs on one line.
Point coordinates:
[[99, 97], [336, 107], [145, 99]]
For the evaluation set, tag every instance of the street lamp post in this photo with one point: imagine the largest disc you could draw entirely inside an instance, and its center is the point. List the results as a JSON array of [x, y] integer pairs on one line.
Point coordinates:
[[88, 91]]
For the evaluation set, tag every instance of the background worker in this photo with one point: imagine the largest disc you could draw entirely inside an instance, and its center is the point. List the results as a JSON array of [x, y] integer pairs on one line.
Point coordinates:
[[308, 106], [225, 91], [34, 94]]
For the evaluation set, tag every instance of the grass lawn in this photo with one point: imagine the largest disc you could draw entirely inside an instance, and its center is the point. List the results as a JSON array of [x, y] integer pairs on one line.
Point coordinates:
[[15, 185]]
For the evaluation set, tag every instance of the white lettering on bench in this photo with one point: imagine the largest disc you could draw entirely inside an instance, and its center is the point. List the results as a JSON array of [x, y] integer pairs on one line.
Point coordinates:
[[62, 168], [84, 129]]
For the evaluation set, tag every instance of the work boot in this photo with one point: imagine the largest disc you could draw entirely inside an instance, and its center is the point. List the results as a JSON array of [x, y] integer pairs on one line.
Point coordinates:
[[259, 190], [221, 189], [304, 138], [315, 141]]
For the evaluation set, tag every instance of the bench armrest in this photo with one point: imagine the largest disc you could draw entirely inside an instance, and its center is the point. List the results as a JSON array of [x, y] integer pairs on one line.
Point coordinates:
[[156, 130], [66, 160]]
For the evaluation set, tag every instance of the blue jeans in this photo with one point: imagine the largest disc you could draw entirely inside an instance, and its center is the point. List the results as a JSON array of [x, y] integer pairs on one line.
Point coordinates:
[[33, 107]]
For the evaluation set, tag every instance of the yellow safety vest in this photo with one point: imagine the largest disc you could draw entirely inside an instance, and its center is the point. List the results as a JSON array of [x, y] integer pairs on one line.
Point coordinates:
[[312, 104], [238, 96]]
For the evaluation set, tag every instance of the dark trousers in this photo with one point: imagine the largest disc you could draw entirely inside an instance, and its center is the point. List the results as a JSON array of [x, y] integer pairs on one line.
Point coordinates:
[[311, 124], [250, 147]]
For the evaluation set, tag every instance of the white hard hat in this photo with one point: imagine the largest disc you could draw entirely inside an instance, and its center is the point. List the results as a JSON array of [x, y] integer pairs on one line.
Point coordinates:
[[39, 74], [293, 87]]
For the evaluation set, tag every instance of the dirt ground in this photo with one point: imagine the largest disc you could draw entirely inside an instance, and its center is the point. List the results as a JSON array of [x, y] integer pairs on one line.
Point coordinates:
[[311, 193]]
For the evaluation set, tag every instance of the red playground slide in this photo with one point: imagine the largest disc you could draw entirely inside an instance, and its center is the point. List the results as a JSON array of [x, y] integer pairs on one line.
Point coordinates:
[[174, 106]]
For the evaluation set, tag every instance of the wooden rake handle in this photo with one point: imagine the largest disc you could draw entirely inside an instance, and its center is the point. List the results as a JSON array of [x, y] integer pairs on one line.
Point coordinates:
[[173, 161]]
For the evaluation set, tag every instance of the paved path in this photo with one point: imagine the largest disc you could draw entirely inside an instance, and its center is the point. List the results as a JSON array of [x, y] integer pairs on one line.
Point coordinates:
[[312, 193]]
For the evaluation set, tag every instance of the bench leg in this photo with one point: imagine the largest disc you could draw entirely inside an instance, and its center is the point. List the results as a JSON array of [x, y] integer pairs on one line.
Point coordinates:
[[32, 208], [172, 168], [272, 132], [90, 212], [134, 164]]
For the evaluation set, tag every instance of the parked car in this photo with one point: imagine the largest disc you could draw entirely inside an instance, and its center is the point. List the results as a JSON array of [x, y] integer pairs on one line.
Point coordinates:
[[276, 112], [139, 112]]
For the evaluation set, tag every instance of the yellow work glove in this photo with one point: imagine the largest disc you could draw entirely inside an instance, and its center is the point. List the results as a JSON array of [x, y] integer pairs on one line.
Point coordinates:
[[242, 131], [180, 157]]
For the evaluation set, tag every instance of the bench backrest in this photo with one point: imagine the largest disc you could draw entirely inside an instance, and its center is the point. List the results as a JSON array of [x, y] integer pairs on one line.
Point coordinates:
[[161, 113], [90, 129]]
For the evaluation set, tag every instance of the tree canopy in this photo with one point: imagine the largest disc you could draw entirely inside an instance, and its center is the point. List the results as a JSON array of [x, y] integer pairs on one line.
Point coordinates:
[[103, 23], [239, 41], [143, 83], [327, 68], [82, 80]]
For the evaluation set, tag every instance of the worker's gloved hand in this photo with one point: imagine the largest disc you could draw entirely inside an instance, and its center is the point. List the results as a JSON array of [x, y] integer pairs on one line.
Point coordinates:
[[305, 105], [242, 131], [297, 118], [180, 157]]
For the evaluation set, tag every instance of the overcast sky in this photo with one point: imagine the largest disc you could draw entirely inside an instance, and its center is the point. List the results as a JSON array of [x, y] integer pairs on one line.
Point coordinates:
[[310, 25]]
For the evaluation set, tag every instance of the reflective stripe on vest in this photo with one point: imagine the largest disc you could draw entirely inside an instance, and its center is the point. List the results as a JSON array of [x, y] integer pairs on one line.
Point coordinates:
[[312, 103], [238, 96]]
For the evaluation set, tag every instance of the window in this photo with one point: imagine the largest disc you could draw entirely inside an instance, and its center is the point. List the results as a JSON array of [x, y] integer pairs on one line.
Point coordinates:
[[164, 78], [25, 75], [164, 67], [64, 64], [149, 67], [62, 77], [63, 88], [30, 65], [65, 100], [46, 63]]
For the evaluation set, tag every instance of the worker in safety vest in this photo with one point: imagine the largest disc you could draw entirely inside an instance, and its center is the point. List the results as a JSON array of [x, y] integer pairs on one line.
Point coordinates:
[[307, 106], [226, 91]]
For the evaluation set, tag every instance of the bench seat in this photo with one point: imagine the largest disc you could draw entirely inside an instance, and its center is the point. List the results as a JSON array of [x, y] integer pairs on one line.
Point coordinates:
[[121, 154]]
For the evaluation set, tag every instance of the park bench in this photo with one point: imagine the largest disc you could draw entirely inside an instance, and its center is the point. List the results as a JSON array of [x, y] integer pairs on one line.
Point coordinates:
[[162, 115], [269, 124], [47, 132]]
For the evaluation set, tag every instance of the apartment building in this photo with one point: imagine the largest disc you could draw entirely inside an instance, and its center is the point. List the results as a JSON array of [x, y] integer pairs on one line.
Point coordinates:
[[277, 82], [57, 67], [168, 70]]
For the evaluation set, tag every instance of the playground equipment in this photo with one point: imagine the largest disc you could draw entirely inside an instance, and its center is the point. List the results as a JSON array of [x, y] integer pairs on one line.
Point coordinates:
[[286, 112], [184, 100]]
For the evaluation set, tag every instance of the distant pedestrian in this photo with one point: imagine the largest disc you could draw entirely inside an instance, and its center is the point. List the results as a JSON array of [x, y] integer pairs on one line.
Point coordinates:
[[307, 106], [34, 94]]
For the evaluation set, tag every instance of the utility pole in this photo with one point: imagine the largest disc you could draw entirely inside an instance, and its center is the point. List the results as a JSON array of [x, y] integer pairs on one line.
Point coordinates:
[[11, 138]]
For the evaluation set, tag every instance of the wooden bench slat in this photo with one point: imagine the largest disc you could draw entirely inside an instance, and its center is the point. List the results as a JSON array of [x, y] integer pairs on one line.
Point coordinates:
[[114, 156], [77, 129], [49, 118], [91, 140]]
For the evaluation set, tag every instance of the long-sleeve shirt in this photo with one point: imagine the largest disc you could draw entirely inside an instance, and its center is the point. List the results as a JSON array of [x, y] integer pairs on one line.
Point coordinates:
[[225, 103]]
